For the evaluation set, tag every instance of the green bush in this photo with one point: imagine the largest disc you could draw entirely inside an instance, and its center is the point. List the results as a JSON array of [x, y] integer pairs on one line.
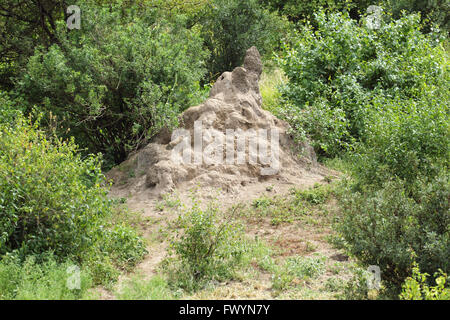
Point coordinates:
[[117, 81], [405, 139], [124, 246], [356, 288], [204, 249], [51, 199], [8, 109], [416, 288], [46, 280], [433, 12], [383, 227], [401, 190], [338, 69], [230, 27], [297, 10]]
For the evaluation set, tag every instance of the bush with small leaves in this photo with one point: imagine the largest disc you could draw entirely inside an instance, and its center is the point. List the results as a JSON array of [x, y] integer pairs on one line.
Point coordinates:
[[53, 199], [204, 249], [338, 69], [416, 287]]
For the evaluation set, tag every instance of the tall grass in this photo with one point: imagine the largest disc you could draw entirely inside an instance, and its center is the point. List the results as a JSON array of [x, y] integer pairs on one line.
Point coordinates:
[[271, 79]]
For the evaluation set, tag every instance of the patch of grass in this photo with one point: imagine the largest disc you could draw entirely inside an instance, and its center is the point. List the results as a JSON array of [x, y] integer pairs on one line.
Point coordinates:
[[269, 83], [336, 268], [268, 264], [169, 200], [319, 194], [310, 247], [296, 270], [340, 163], [262, 203], [121, 215], [42, 280], [305, 267], [138, 288], [282, 280], [297, 206]]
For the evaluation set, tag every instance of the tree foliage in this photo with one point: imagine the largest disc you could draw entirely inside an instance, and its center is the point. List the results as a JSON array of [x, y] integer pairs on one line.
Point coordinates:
[[230, 27], [118, 80]]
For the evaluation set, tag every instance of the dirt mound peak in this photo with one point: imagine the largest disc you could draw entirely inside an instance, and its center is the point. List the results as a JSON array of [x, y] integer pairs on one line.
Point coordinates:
[[226, 142]]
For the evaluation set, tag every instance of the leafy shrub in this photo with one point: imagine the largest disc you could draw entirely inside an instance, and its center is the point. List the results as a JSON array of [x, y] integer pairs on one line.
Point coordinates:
[[337, 70], [404, 139], [400, 173], [416, 288], [326, 128], [46, 280], [51, 199], [230, 27], [356, 288], [297, 10], [119, 79], [9, 108], [382, 228], [432, 12], [204, 249], [124, 246]]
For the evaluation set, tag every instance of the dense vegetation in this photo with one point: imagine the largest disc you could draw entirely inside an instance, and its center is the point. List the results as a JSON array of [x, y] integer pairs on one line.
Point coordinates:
[[381, 97], [74, 103]]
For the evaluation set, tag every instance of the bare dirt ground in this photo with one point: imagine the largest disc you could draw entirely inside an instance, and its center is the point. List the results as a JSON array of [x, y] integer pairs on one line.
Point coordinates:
[[307, 237]]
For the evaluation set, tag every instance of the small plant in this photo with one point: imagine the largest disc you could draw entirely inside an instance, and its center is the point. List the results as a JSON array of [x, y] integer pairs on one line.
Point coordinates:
[[334, 284], [138, 288], [169, 200], [310, 247], [203, 249], [416, 288], [314, 196], [305, 267], [267, 263], [295, 269], [356, 288], [124, 246], [263, 202], [40, 278], [282, 280]]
